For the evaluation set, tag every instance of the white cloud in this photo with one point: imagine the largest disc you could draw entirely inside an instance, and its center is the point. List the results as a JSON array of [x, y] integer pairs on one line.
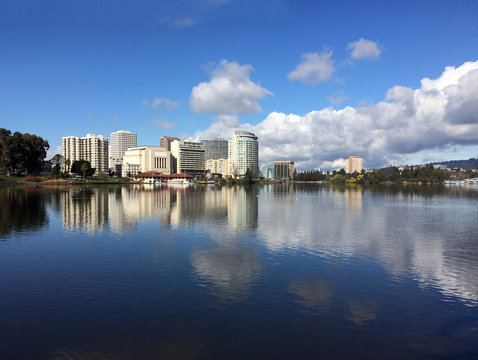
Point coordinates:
[[364, 49], [164, 124], [230, 91], [442, 113], [336, 100], [161, 103], [52, 152], [314, 68]]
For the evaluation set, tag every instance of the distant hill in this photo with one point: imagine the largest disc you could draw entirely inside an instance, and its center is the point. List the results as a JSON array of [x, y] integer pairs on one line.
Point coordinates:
[[459, 163]]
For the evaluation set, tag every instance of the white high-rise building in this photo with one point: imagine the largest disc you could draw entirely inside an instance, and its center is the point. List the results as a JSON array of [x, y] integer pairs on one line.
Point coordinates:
[[243, 154], [120, 141], [91, 148], [189, 157]]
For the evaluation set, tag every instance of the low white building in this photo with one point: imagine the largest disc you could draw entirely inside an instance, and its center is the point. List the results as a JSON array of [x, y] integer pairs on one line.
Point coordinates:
[[146, 158]]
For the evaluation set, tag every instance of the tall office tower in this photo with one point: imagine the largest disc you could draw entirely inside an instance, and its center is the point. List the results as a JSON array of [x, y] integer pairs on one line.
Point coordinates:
[[283, 170], [189, 157], [120, 141], [215, 149], [353, 164], [165, 142], [243, 153], [91, 148]]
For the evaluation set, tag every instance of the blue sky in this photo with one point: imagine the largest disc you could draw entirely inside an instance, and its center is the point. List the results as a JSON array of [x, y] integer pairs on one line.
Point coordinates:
[[311, 78]]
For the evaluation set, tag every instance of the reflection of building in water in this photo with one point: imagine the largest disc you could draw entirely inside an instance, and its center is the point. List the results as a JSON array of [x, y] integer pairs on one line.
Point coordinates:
[[199, 203], [243, 208], [85, 208], [136, 203], [354, 198]]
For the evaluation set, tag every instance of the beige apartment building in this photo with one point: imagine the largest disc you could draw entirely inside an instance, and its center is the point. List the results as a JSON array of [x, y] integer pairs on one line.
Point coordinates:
[[218, 166], [146, 158], [353, 164], [91, 148]]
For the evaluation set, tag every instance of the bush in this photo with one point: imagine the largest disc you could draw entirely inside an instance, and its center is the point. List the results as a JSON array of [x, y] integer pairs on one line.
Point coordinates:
[[49, 177], [102, 176], [32, 178]]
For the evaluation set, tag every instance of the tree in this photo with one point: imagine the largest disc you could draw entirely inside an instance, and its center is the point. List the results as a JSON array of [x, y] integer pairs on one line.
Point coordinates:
[[82, 167], [21, 152], [4, 151], [34, 150]]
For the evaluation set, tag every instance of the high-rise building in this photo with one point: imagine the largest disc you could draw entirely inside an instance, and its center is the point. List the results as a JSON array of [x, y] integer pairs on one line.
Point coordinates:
[[283, 170], [120, 141], [91, 148], [146, 158], [165, 142], [188, 157], [215, 149], [243, 153], [353, 164]]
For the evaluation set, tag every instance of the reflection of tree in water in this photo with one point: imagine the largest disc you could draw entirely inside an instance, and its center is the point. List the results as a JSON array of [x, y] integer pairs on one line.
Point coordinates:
[[182, 347], [22, 209], [313, 294], [230, 268]]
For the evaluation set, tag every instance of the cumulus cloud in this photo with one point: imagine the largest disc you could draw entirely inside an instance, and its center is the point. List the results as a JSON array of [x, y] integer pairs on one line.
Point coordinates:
[[230, 91], [314, 68], [364, 49], [164, 124], [161, 103], [440, 114]]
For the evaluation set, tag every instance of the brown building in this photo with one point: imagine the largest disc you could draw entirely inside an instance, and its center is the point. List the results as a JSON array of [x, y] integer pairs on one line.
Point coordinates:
[[165, 142], [283, 170]]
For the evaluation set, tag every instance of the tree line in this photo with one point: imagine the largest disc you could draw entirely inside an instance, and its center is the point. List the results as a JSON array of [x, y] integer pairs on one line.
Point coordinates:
[[21, 153], [426, 173]]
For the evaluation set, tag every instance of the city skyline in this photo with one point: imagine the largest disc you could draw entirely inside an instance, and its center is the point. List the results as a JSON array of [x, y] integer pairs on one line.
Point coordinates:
[[391, 83]]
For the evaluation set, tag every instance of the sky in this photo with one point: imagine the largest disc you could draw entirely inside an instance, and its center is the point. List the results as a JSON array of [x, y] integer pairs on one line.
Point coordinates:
[[395, 82]]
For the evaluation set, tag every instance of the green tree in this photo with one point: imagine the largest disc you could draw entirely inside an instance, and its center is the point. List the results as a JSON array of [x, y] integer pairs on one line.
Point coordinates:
[[82, 167], [21, 152], [4, 151], [34, 150]]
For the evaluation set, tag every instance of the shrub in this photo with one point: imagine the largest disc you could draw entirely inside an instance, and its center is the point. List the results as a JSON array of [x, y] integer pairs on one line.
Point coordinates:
[[32, 178], [102, 176]]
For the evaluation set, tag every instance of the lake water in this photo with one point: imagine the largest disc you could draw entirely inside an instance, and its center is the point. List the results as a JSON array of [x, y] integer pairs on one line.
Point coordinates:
[[278, 271]]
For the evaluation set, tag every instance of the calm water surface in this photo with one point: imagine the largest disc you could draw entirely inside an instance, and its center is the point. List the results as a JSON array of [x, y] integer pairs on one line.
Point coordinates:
[[280, 271]]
